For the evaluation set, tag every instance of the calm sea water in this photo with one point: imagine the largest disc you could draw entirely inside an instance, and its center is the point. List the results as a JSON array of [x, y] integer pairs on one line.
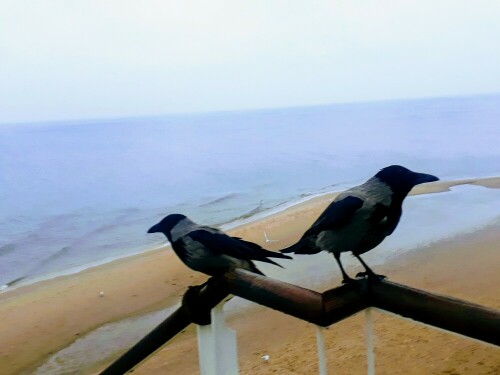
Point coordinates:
[[78, 193]]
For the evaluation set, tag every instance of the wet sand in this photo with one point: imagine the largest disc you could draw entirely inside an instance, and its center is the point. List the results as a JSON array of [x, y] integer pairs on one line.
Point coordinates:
[[40, 319]]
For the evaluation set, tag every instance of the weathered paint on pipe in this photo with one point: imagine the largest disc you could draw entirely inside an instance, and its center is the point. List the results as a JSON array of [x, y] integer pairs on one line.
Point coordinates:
[[207, 298], [444, 312], [290, 299]]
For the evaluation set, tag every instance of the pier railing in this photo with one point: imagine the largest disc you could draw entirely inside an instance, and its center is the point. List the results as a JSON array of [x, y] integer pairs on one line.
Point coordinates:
[[202, 306]]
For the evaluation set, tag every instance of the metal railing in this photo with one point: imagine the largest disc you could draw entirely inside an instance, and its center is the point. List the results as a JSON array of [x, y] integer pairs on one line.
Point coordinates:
[[322, 309]]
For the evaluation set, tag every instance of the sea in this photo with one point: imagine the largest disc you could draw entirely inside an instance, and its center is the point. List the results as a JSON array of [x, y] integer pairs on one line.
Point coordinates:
[[74, 194]]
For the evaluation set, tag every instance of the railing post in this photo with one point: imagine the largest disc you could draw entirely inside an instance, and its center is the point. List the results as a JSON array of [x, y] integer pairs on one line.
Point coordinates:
[[217, 349], [321, 350], [206, 357], [370, 355]]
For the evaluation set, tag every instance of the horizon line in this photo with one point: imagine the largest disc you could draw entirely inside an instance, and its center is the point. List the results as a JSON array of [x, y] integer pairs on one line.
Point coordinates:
[[241, 110]]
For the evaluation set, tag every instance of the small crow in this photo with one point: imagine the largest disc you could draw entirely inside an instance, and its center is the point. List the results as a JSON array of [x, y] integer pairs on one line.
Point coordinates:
[[209, 250], [360, 218]]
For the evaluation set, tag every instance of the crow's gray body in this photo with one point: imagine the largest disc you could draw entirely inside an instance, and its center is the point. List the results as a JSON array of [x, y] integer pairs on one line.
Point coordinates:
[[209, 250], [363, 231], [360, 218], [199, 256]]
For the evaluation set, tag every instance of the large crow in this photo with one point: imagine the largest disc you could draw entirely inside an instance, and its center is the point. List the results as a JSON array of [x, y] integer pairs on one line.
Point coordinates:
[[209, 250], [360, 218]]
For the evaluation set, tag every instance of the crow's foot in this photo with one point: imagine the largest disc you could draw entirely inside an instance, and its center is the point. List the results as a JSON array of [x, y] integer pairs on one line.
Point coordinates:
[[370, 275]]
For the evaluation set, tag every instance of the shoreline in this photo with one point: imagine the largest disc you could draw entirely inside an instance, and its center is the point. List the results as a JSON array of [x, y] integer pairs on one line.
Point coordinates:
[[68, 307], [438, 187]]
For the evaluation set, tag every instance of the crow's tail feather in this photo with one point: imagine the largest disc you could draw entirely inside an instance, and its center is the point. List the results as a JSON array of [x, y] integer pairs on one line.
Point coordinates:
[[254, 269], [305, 246], [267, 260], [264, 252]]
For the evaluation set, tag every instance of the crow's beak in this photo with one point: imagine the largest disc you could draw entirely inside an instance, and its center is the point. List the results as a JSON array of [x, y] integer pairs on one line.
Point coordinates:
[[422, 178], [154, 229]]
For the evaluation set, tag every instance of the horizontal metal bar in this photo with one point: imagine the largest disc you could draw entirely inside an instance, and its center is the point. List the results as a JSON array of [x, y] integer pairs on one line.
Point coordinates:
[[290, 299], [319, 308], [447, 313]]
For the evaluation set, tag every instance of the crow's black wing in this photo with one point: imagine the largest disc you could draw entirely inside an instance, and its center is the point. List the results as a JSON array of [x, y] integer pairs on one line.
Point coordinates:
[[336, 215], [393, 219], [220, 243], [379, 214], [385, 218]]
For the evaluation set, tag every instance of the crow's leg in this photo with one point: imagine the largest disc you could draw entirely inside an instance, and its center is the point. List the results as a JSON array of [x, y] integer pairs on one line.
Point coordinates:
[[368, 271], [346, 279]]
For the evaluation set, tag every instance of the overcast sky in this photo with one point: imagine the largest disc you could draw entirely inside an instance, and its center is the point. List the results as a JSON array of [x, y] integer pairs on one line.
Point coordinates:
[[90, 59]]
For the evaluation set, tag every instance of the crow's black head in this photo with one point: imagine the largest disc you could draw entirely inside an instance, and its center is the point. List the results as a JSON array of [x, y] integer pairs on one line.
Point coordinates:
[[402, 180], [166, 225]]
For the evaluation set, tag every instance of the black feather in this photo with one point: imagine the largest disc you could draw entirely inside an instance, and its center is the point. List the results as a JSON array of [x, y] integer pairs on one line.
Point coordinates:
[[336, 215], [305, 246], [256, 270], [267, 253], [222, 244]]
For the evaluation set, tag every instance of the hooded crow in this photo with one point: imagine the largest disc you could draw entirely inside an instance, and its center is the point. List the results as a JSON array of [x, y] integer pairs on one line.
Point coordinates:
[[209, 250], [360, 218]]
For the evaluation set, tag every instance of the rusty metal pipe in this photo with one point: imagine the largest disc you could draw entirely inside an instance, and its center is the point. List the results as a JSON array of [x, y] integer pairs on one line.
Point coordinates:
[[343, 301], [447, 313], [150, 343], [207, 297], [290, 299]]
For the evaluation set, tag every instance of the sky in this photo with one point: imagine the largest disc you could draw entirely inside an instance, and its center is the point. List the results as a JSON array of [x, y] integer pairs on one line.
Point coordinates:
[[117, 58]]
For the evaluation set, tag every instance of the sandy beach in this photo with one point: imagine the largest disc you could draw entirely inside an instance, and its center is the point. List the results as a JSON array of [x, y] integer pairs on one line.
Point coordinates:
[[42, 318]]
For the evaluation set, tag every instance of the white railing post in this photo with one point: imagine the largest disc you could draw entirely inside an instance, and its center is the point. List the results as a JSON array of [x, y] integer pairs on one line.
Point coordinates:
[[217, 349], [320, 342], [205, 354], [370, 354]]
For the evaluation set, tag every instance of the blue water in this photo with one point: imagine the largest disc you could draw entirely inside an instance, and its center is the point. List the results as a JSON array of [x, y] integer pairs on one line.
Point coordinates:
[[75, 193]]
